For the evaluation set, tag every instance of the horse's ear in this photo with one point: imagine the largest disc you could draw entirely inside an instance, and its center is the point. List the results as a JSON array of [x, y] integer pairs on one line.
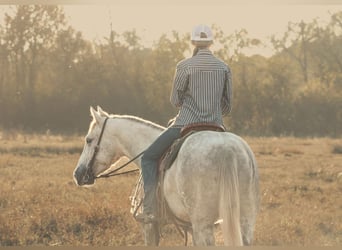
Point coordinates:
[[92, 110], [96, 116], [101, 112]]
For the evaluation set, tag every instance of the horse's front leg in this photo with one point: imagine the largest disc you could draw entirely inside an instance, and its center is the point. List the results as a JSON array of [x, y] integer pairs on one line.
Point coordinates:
[[151, 234]]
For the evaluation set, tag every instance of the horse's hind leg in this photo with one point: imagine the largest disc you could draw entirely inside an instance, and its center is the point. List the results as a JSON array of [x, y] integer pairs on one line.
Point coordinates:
[[203, 234], [248, 211], [246, 231]]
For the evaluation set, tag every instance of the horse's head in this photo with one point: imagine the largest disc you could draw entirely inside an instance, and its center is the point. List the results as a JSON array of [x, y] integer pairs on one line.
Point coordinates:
[[97, 153]]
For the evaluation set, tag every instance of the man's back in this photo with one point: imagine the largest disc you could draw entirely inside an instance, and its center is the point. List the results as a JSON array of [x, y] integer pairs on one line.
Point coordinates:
[[199, 89]]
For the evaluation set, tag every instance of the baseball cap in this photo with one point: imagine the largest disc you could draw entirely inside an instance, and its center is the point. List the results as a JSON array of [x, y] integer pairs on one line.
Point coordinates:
[[201, 33]]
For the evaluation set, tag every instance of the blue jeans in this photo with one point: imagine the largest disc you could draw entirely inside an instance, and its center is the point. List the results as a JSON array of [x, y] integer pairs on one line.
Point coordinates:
[[149, 166]]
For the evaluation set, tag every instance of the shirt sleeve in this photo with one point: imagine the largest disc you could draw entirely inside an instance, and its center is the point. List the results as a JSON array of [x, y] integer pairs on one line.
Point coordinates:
[[180, 84], [226, 101]]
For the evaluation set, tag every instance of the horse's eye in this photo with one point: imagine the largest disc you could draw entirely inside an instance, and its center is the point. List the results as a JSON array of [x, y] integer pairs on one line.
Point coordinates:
[[89, 140]]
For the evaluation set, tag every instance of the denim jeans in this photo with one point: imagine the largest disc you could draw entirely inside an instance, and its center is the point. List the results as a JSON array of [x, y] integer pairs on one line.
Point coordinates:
[[149, 166]]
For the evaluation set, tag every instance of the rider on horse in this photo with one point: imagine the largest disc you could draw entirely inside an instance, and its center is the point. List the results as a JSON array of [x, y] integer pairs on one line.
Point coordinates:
[[202, 90]]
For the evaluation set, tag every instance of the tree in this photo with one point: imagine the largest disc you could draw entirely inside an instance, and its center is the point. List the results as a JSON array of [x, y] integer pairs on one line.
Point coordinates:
[[295, 42], [231, 47], [28, 34], [160, 69], [327, 52]]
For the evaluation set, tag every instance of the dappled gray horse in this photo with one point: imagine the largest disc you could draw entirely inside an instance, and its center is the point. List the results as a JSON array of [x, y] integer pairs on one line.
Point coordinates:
[[214, 176]]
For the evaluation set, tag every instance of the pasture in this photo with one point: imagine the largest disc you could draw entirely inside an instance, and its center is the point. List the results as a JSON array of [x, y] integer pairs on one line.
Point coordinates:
[[300, 186]]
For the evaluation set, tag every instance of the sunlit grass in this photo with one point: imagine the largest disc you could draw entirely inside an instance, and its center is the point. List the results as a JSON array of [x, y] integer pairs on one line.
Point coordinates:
[[300, 188]]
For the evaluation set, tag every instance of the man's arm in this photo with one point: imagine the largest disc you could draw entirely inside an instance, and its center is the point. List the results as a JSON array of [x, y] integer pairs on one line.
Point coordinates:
[[226, 101], [180, 84]]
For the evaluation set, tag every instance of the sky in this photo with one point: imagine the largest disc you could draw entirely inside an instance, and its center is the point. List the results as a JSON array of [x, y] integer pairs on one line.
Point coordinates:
[[152, 18]]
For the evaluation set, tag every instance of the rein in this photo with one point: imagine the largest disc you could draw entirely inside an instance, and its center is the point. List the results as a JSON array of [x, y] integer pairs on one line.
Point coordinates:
[[113, 172]]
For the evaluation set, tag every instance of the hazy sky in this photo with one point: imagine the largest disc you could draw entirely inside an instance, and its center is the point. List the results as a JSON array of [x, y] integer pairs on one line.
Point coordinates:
[[151, 20]]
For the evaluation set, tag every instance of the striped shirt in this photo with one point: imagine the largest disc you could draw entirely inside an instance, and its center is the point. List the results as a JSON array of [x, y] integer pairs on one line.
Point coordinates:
[[202, 90]]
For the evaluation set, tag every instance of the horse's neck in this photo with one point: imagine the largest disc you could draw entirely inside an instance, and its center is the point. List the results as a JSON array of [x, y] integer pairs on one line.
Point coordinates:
[[133, 136]]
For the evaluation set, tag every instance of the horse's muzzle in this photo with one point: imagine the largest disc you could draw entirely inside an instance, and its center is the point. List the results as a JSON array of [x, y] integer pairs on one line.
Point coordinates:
[[83, 177]]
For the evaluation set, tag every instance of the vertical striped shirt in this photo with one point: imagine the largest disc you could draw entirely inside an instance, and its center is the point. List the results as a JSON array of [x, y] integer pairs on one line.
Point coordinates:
[[202, 90]]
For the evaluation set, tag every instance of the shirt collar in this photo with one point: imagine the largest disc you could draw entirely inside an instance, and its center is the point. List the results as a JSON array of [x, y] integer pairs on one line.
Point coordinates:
[[204, 52]]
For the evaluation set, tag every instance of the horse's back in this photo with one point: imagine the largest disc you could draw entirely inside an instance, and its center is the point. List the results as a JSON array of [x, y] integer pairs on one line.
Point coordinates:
[[216, 145], [204, 152]]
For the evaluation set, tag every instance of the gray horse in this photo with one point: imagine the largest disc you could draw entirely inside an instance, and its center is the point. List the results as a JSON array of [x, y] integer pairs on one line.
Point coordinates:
[[214, 177]]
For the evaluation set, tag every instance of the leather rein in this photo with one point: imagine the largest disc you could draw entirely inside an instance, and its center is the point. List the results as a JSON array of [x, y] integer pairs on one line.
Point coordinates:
[[114, 171]]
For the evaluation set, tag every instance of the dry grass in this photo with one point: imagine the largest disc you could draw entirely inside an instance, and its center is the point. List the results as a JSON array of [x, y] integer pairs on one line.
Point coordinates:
[[300, 183]]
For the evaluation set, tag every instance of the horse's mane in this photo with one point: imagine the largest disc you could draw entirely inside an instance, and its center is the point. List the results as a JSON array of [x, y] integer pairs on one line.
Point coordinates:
[[127, 117], [138, 120]]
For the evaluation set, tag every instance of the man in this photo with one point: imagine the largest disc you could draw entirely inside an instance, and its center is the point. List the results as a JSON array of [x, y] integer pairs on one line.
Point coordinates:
[[202, 91]]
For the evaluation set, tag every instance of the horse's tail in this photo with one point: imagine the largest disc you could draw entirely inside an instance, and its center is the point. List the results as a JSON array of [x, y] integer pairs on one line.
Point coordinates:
[[229, 206]]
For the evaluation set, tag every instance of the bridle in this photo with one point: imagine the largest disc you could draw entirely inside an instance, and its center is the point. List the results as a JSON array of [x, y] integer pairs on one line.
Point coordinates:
[[114, 171]]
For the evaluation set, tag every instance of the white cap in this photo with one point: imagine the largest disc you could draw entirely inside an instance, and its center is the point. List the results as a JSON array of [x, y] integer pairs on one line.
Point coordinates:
[[202, 33]]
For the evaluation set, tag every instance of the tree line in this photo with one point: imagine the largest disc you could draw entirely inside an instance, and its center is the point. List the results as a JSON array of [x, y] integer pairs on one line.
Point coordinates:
[[50, 75]]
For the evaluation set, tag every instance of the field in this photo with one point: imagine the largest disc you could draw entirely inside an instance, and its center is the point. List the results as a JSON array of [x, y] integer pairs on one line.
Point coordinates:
[[300, 184]]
